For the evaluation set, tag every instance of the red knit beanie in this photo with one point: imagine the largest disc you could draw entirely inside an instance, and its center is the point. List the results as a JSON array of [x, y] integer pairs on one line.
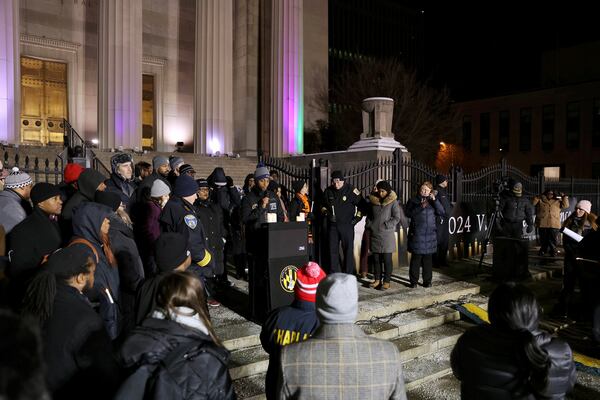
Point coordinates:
[[307, 280], [72, 172]]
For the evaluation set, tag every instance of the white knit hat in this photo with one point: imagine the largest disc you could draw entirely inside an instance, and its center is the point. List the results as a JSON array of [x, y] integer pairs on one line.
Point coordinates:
[[585, 205], [159, 189], [17, 179]]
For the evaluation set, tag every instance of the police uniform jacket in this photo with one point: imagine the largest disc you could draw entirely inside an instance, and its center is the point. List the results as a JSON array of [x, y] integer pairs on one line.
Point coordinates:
[[286, 325], [211, 216], [253, 214], [182, 217], [342, 204]]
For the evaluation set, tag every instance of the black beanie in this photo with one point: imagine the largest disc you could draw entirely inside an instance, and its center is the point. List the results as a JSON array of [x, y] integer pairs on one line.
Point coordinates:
[[440, 179], [185, 186], [43, 191], [110, 199], [171, 250], [385, 185], [202, 183], [66, 260], [297, 186], [337, 175]]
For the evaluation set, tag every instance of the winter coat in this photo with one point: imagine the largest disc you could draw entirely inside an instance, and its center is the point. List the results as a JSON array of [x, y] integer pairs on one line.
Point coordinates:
[[382, 220], [145, 301], [515, 209], [442, 197], [88, 182], [87, 220], [286, 325], [486, 361], [203, 376], [422, 232], [253, 214], [30, 241], [182, 217], [147, 231], [77, 351], [582, 226], [131, 270], [125, 189], [13, 209], [212, 219], [547, 211]]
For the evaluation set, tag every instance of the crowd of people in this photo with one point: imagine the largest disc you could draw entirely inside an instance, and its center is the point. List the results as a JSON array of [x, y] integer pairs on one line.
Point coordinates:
[[120, 274]]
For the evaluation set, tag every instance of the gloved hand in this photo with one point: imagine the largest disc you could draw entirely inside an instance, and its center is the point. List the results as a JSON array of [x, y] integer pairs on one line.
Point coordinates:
[[529, 228]]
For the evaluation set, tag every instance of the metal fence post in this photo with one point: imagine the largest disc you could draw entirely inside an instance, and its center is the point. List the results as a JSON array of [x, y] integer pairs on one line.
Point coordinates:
[[541, 182]]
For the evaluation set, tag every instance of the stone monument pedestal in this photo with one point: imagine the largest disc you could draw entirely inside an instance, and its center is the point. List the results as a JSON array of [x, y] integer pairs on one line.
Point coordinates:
[[377, 113]]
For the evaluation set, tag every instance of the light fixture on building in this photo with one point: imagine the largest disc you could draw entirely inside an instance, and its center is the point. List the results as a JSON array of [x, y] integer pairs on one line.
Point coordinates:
[[95, 142]]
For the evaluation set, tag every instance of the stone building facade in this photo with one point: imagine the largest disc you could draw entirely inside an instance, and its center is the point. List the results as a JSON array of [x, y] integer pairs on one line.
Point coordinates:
[[213, 75]]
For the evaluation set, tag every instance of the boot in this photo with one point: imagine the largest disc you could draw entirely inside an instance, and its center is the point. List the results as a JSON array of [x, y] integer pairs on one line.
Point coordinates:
[[376, 284], [385, 286]]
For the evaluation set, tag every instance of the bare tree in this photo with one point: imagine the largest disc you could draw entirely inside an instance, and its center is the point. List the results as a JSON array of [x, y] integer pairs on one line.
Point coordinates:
[[423, 115]]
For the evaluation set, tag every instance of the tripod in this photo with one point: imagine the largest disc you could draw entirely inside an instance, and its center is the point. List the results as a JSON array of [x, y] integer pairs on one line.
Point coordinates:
[[488, 234]]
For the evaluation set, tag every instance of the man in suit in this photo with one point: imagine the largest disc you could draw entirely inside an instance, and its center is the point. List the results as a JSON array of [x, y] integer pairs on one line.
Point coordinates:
[[340, 361]]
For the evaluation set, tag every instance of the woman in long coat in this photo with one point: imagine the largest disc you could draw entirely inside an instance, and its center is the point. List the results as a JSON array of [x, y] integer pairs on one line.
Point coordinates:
[[382, 220], [422, 233]]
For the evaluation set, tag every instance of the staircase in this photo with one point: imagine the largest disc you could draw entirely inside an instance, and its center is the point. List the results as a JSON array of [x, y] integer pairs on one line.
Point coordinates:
[[420, 322], [237, 168]]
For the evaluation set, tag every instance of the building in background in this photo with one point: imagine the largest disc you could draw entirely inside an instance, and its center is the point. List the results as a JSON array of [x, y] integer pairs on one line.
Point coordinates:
[[214, 75], [555, 129]]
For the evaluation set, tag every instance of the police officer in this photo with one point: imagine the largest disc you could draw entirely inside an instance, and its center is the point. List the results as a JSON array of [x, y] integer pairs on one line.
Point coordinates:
[[342, 204], [515, 209], [180, 215]]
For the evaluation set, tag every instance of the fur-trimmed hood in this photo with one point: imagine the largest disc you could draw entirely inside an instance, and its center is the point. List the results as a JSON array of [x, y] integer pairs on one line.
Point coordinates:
[[389, 199]]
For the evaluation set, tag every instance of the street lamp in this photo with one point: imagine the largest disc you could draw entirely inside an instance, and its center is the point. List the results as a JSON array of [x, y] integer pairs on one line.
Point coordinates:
[[451, 147]]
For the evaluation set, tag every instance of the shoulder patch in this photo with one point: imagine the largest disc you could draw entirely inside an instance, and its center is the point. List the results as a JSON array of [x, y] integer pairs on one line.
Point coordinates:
[[191, 221], [356, 192]]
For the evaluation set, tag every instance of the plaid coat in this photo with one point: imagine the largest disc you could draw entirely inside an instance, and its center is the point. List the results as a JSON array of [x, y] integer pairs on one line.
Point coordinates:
[[341, 362]]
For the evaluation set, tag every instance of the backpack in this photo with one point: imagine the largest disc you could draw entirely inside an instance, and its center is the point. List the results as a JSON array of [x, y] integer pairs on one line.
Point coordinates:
[[148, 379]]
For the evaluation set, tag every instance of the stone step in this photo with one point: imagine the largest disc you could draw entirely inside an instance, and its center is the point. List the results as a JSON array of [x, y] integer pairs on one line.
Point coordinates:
[[427, 323], [446, 387], [403, 299], [427, 368], [252, 387], [235, 331]]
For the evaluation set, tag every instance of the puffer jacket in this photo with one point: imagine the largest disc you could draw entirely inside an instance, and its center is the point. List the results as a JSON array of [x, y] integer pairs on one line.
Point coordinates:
[[422, 232], [204, 375], [547, 211], [515, 209], [382, 221], [486, 362]]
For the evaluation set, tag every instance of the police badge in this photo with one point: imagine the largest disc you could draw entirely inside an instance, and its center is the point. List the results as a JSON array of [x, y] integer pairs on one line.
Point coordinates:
[[190, 221]]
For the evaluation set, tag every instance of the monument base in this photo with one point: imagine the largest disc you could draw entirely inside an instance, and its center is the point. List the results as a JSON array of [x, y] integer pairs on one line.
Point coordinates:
[[377, 144]]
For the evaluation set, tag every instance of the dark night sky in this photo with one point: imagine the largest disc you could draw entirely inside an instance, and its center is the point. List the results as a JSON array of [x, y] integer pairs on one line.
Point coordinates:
[[485, 48]]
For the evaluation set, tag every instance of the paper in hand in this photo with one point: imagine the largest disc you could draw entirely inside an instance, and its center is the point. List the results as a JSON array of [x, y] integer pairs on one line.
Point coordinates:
[[573, 235]]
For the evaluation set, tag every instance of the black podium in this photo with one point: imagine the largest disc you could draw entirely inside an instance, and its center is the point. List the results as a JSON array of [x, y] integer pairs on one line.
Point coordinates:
[[283, 249]]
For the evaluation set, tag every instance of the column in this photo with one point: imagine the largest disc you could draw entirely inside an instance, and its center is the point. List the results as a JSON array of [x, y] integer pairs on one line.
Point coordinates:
[[9, 71], [120, 74], [287, 103], [213, 97]]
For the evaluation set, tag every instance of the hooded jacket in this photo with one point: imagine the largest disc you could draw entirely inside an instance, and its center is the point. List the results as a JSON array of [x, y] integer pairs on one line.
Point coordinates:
[[203, 376], [382, 221], [13, 209], [87, 221], [88, 182]]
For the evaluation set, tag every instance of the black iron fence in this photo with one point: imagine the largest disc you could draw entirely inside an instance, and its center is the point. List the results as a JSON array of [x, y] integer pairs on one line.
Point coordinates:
[[40, 170]]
